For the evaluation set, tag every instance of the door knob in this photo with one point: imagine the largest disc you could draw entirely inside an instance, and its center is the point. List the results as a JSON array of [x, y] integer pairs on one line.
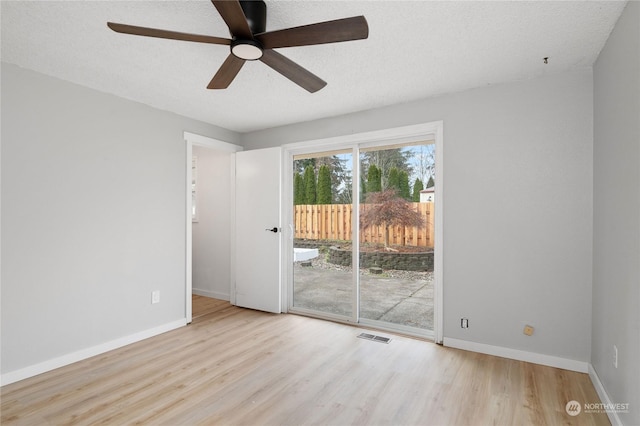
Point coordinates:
[[274, 229]]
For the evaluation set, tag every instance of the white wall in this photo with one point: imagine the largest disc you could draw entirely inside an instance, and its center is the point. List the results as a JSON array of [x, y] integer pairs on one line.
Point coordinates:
[[520, 251], [212, 232], [93, 214], [616, 254]]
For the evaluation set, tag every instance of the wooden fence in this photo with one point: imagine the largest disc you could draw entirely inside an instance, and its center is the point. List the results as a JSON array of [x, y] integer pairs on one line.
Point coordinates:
[[333, 222]]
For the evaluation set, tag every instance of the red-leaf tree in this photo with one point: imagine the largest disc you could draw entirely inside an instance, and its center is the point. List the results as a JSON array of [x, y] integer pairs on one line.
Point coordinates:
[[387, 209]]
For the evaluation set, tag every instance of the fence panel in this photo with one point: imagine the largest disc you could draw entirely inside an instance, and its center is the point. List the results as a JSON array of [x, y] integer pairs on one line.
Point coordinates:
[[333, 222]]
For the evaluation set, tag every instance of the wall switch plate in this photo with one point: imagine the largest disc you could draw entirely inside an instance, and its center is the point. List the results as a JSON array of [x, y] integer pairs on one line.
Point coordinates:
[[155, 297], [528, 330]]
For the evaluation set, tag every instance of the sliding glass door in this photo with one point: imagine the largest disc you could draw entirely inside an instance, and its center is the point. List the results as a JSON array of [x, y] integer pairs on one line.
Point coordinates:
[[364, 235], [323, 226], [397, 236]]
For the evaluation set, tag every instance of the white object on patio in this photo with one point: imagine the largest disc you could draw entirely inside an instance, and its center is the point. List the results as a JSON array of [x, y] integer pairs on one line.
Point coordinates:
[[302, 254]]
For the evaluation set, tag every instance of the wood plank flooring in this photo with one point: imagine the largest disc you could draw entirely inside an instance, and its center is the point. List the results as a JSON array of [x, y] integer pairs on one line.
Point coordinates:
[[242, 367], [202, 306]]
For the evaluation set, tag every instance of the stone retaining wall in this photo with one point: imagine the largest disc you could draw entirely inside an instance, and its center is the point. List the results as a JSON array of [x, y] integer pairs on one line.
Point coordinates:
[[386, 260], [300, 243]]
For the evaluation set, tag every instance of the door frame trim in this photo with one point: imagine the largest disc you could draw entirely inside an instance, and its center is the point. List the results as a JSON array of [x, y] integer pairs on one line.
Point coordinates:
[[389, 136], [190, 140]]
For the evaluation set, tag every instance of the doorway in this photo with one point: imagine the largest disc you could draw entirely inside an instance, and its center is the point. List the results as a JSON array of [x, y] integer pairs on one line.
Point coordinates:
[[368, 251], [210, 210]]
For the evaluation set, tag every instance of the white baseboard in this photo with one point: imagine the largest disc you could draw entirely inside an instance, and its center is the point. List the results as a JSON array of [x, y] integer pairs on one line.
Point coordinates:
[[604, 396], [52, 364], [535, 358], [213, 294]]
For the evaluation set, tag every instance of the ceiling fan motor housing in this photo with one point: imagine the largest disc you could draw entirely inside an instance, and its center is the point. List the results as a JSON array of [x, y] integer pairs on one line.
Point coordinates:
[[256, 14]]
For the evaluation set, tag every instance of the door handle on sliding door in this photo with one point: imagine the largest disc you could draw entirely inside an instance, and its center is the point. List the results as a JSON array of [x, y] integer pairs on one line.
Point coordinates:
[[274, 229]]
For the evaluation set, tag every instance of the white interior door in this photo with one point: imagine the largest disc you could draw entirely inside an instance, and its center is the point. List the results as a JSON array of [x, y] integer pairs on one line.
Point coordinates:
[[258, 248]]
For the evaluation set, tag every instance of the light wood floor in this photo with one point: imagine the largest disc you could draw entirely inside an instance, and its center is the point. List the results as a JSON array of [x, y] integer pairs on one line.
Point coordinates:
[[237, 366]]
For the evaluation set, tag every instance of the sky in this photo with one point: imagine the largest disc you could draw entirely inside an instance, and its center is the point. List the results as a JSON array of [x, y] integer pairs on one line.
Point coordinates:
[[416, 152]]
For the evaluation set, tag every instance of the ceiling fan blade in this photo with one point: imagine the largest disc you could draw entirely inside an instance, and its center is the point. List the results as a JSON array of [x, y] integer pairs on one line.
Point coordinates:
[[233, 16], [226, 73], [346, 29], [173, 35], [292, 71]]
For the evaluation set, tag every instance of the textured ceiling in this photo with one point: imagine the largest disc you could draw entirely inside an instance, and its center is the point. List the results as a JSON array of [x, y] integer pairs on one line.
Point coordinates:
[[414, 50]]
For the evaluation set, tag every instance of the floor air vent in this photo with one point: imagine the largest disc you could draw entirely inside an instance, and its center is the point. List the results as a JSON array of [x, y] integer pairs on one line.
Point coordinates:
[[374, 338]]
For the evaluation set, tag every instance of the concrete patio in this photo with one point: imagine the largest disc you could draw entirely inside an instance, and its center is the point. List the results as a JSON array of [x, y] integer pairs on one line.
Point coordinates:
[[398, 297]]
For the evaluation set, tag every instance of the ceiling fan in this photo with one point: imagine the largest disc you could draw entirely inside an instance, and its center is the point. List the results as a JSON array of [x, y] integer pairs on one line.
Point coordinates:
[[247, 21]]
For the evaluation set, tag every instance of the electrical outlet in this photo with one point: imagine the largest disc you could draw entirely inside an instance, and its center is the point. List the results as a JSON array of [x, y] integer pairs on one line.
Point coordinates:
[[155, 297], [464, 322], [615, 356]]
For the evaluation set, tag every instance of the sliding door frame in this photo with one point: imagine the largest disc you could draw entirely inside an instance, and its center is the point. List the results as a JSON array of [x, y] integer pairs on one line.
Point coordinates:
[[386, 137]]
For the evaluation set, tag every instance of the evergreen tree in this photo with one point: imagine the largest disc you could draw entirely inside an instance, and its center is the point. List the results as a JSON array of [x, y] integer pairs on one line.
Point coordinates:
[[300, 166], [417, 187], [298, 189], [386, 159], [309, 185], [340, 174], [374, 179], [393, 182], [430, 183], [403, 184], [324, 185], [363, 189]]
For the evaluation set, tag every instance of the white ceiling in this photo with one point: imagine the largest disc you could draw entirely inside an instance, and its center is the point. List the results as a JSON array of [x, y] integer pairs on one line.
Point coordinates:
[[415, 50]]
